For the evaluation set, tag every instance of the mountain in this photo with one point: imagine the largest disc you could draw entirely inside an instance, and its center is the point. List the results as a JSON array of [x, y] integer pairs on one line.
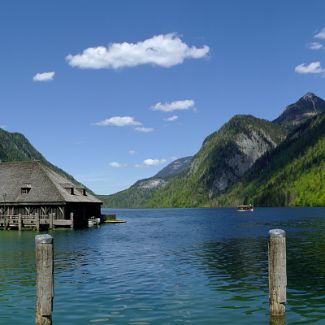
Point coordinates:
[[224, 157], [306, 107], [293, 174], [143, 190], [248, 160], [16, 147]]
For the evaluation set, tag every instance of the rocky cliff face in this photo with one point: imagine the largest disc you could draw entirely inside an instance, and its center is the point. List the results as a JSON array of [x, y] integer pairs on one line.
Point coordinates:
[[174, 168], [150, 184], [227, 154], [250, 148], [290, 175]]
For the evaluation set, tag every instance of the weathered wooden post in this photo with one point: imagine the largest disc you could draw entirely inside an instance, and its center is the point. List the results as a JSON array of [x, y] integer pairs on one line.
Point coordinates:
[[51, 220], [37, 221], [6, 223], [6, 220], [72, 220], [44, 279], [277, 272], [20, 222]]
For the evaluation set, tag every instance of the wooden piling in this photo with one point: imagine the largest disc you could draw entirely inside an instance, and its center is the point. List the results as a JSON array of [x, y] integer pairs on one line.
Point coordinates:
[[72, 220], [51, 217], [44, 279], [37, 221], [6, 221], [20, 222], [277, 272]]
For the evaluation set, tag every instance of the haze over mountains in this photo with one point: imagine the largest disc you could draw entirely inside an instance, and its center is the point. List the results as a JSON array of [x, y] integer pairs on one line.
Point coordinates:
[[248, 160]]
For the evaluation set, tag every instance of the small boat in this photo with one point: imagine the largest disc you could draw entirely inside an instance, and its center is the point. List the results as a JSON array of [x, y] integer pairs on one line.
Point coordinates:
[[245, 208], [93, 222]]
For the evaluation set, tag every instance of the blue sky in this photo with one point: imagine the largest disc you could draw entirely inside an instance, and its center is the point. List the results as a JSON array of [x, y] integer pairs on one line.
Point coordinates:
[[102, 114]]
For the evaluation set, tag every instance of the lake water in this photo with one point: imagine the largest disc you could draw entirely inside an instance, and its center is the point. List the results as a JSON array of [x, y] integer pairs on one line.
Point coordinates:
[[196, 266]]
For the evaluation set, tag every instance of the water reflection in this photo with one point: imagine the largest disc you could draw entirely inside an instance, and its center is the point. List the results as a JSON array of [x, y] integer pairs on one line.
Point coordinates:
[[239, 266], [241, 260], [277, 320]]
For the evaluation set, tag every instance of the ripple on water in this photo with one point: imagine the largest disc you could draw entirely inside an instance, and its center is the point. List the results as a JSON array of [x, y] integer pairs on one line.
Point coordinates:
[[197, 266]]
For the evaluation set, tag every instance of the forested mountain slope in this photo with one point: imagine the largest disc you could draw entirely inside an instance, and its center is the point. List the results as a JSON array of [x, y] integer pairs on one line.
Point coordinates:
[[223, 158], [291, 175]]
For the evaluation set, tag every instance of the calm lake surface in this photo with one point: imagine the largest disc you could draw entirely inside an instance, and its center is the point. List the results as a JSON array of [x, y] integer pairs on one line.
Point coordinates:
[[197, 266]]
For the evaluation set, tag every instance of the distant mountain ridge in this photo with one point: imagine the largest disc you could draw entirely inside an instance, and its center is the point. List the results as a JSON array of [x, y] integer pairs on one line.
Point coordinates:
[[174, 168], [143, 190], [306, 107], [244, 146]]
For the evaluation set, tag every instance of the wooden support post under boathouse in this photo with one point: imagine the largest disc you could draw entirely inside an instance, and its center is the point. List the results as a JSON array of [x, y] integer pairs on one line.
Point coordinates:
[[33, 196]]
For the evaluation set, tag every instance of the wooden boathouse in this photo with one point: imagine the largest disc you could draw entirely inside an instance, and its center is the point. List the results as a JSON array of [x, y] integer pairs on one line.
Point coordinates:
[[34, 196]]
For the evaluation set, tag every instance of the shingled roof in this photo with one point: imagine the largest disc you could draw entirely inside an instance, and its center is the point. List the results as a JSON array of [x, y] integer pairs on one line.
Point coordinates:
[[33, 182]]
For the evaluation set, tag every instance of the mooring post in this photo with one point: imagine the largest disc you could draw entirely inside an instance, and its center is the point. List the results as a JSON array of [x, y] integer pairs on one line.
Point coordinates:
[[44, 279], [20, 222], [277, 272]]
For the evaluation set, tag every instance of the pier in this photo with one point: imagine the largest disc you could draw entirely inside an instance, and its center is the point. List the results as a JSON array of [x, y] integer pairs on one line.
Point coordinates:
[[35, 222]]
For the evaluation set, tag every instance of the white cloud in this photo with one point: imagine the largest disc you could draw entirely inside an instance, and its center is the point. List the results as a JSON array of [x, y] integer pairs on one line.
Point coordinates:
[[313, 67], [320, 34], [143, 129], [119, 121], [44, 76], [172, 118], [116, 164], [160, 50], [174, 106], [315, 46], [153, 162], [132, 152]]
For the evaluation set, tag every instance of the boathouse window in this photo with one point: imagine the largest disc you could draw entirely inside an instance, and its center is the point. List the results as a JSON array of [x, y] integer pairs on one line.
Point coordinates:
[[70, 190], [25, 190], [82, 191]]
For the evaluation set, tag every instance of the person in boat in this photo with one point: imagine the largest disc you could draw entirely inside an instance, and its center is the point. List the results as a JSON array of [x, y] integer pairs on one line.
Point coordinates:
[[245, 207]]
